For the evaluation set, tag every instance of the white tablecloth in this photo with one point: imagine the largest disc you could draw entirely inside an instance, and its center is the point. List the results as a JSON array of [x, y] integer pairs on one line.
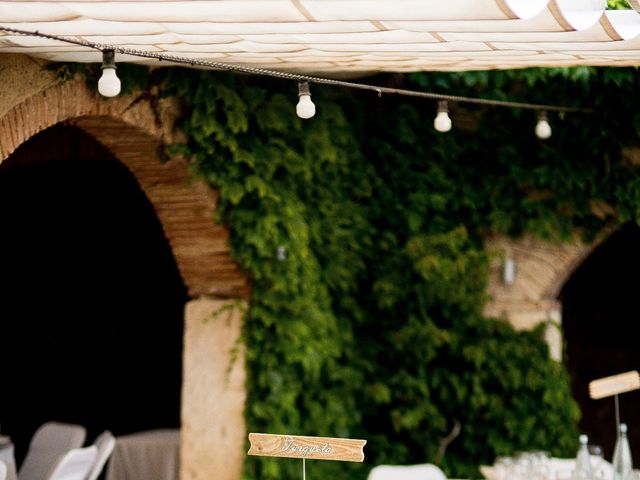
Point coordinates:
[[7, 456], [559, 468], [152, 455]]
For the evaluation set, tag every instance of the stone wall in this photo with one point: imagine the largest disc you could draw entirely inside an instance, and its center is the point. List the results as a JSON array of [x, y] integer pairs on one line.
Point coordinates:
[[22, 77]]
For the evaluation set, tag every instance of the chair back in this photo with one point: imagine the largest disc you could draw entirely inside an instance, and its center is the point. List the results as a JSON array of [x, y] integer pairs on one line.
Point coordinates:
[[425, 471], [3, 470], [75, 464], [50, 442], [105, 444]]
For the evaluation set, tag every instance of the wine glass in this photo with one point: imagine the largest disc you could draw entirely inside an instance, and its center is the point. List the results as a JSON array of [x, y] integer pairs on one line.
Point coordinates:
[[541, 465], [597, 460], [502, 467]]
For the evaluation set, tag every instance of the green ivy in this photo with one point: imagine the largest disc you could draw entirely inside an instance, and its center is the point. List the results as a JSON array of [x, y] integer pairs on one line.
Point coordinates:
[[362, 230], [618, 4]]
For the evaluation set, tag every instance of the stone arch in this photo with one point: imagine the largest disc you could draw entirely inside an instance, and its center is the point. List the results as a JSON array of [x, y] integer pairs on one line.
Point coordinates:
[[542, 268], [213, 390], [134, 132], [564, 270]]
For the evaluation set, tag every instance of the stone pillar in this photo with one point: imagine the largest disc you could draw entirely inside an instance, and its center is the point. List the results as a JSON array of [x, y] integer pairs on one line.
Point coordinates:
[[553, 333], [213, 391]]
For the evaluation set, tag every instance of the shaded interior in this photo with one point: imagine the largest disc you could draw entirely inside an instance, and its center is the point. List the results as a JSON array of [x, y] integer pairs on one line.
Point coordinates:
[[91, 300], [601, 322]]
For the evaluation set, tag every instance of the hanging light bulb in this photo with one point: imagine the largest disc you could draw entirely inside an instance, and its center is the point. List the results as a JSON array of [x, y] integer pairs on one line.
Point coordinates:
[[442, 122], [305, 108], [543, 129], [109, 83]]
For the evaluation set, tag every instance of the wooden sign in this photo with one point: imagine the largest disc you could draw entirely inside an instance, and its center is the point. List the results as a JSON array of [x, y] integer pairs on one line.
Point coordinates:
[[608, 386], [317, 448]]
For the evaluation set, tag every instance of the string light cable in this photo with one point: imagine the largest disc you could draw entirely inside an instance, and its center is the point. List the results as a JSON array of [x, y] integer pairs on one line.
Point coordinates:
[[307, 108]]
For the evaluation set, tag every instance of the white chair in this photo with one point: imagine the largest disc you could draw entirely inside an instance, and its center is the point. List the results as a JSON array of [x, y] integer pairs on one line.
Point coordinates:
[[105, 444], [75, 464], [8, 458], [50, 442], [425, 471], [3, 470]]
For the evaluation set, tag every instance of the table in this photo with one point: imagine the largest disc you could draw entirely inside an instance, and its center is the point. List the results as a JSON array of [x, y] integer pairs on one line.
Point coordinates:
[[151, 455], [7, 456]]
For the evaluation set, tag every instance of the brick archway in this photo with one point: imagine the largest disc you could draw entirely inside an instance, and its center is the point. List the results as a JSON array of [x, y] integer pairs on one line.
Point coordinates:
[[133, 132], [542, 268], [213, 390]]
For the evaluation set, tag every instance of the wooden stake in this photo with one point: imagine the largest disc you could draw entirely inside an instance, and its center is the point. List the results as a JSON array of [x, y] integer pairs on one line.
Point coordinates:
[[617, 405]]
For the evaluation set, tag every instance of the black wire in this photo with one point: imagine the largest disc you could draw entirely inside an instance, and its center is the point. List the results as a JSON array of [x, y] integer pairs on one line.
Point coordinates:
[[297, 77]]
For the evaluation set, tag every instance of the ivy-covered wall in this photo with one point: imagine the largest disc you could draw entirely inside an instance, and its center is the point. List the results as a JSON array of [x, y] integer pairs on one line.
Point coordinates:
[[370, 325], [362, 230]]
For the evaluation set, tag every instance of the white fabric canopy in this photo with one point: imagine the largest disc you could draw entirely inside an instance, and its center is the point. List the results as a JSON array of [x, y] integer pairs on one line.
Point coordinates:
[[337, 36]]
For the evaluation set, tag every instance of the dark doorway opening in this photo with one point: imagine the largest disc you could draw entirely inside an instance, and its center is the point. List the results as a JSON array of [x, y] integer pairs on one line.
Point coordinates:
[[601, 322], [91, 300]]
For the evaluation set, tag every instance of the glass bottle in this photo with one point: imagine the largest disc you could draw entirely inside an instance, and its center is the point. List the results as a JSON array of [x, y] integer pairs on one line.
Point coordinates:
[[583, 461], [622, 462]]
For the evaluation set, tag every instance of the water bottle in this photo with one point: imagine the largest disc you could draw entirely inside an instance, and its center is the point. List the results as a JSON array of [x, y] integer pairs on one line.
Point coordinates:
[[583, 461], [622, 463]]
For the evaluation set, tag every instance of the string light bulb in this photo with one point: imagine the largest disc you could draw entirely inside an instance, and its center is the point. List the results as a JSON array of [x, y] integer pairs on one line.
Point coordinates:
[[210, 64], [305, 108], [109, 83], [442, 122], [543, 129]]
